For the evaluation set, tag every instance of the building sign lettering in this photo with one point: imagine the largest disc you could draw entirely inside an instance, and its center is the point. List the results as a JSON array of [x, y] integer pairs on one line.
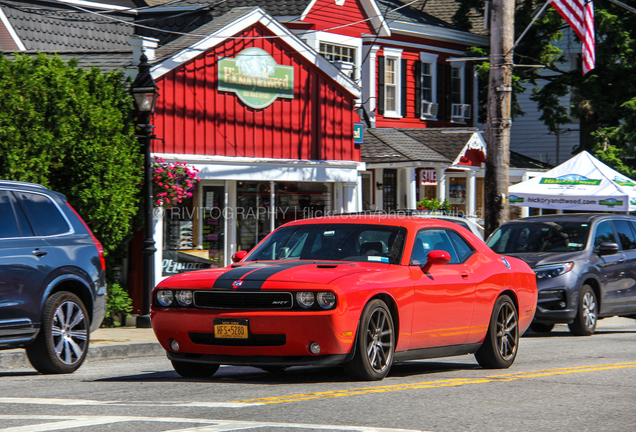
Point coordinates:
[[429, 177], [256, 78]]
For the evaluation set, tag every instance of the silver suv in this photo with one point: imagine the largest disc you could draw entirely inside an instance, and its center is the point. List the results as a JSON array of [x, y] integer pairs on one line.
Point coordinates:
[[585, 265]]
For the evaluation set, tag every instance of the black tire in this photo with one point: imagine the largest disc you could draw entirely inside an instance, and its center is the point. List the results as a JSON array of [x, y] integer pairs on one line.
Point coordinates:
[[499, 349], [585, 322], [62, 343], [375, 344], [194, 370], [538, 327]]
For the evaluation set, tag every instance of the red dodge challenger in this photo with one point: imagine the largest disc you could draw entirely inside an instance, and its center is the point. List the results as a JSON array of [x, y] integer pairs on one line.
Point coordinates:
[[357, 291]]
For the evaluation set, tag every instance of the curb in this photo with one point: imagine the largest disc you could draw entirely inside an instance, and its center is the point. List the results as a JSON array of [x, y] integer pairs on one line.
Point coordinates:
[[17, 358]]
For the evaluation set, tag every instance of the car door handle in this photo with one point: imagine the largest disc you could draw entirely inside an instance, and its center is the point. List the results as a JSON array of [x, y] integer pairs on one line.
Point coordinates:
[[622, 260], [39, 253], [464, 276]]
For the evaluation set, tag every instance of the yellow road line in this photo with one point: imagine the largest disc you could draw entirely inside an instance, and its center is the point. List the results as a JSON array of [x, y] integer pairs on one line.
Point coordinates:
[[436, 384]]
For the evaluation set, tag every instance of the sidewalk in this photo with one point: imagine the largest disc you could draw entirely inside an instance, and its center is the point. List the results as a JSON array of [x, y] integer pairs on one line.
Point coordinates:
[[106, 343], [125, 342]]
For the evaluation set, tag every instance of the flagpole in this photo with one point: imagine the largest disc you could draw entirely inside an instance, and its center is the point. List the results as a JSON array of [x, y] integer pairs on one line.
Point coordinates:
[[536, 17]]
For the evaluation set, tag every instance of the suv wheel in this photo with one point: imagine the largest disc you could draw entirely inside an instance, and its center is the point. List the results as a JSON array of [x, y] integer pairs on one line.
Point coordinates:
[[62, 343], [585, 322]]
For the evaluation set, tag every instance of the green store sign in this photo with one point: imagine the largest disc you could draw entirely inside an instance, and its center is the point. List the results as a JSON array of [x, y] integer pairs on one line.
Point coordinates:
[[256, 78], [611, 202]]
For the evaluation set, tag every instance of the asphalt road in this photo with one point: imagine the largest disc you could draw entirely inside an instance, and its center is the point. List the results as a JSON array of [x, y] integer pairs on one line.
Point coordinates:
[[558, 383]]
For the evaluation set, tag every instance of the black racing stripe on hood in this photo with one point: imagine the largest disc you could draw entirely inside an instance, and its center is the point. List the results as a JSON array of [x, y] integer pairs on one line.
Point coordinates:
[[254, 280], [225, 280]]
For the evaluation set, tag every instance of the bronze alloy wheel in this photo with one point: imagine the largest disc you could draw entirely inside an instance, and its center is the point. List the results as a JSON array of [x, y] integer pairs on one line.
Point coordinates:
[[499, 349], [507, 331], [374, 345]]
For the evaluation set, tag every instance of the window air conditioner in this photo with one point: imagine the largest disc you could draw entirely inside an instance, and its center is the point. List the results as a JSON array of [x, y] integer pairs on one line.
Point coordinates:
[[461, 111], [429, 109]]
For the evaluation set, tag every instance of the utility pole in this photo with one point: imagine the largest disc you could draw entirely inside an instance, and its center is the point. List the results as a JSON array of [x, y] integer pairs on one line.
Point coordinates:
[[499, 107]]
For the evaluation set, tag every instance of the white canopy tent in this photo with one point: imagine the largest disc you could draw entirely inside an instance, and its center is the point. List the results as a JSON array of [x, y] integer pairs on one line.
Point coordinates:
[[581, 183]]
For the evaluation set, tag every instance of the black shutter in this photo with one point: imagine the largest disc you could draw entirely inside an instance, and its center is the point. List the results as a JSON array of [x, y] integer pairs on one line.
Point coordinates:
[[448, 91], [468, 86], [440, 92], [380, 97], [405, 66], [418, 89]]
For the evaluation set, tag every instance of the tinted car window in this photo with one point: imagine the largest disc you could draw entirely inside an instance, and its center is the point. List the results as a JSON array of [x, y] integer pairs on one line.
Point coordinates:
[[464, 250], [333, 242], [625, 234], [44, 216], [433, 239], [604, 233], [540, 237], [8, 223]]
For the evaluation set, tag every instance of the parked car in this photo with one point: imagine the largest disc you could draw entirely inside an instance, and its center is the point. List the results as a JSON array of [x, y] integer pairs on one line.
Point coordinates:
[[470, 224], [358, 291], [585, 266], [52, 289]]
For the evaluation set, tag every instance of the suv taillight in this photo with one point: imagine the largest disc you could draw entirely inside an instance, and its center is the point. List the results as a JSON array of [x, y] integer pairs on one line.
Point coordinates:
[[100, 248]]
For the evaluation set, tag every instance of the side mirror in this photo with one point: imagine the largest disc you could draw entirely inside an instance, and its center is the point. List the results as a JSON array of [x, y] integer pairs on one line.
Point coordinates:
[[238, 256], [608, 248], [436, 257]]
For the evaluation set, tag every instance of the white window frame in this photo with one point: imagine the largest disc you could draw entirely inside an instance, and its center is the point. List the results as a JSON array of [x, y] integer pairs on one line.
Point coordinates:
[[431, 60], [462, 90], [314, 39], [396, 55]]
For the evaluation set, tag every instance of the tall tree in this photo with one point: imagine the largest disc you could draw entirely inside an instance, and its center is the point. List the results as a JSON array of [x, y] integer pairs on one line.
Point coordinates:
[[71, 130], [604, 100]]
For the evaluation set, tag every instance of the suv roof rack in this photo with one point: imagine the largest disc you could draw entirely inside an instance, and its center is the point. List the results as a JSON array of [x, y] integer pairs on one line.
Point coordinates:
[[19, 183]]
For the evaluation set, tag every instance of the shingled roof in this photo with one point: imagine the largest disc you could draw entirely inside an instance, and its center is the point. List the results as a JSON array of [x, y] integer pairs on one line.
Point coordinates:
[[409, 14], [54, 27], [395, 145], [445, 9]]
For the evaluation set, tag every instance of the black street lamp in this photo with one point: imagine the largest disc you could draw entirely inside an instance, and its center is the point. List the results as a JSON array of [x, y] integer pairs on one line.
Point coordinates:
[[144, 90]]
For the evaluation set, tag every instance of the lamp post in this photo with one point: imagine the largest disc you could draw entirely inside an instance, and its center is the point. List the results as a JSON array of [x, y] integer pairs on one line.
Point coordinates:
[[144, 90]]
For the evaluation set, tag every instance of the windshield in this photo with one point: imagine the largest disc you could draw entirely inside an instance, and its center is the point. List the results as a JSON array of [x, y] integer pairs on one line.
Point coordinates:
[[333, 242], [540, 237]]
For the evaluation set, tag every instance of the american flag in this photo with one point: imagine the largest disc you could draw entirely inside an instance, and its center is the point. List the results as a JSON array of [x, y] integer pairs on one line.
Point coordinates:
[[580, 15]]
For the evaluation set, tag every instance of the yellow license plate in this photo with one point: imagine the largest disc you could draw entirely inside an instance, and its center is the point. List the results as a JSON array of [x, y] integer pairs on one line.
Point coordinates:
[[230, 331]]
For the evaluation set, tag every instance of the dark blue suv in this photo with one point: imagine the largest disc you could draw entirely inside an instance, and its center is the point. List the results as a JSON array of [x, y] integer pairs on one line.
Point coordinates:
[[52, 287]]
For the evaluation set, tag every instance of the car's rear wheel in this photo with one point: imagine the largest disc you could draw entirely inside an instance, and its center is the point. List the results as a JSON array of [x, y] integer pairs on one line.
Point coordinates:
[[194, 370], [375, 344], [62, 343], [499, 349], [585, 322], [538, 327]]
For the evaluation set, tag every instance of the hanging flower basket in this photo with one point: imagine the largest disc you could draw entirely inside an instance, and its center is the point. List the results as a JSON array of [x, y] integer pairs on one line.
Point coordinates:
[[172, 182]]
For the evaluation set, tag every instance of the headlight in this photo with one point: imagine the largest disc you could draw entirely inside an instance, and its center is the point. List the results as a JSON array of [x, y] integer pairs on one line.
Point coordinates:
[[326, 300], [184, 298], [164, 297], [305, 299], [553, 270]]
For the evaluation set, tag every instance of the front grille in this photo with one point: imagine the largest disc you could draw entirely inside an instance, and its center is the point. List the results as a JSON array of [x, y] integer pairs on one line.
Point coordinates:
[[243, 300], [253, 340]]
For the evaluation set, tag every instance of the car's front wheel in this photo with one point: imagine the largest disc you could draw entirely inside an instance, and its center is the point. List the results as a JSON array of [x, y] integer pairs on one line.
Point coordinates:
[[194, 370], [375, 344], [499, 349], [585, 322], [62, 343]]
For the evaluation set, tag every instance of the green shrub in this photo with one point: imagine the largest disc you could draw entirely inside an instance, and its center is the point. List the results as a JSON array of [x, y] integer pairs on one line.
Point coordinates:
[[433, 204], [118, 306]]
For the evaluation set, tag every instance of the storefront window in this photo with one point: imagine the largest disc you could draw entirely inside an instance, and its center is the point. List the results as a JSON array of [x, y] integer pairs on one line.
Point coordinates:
[[301, 200], [457, 194], [194, 236], [213, 224], [253, 213]]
